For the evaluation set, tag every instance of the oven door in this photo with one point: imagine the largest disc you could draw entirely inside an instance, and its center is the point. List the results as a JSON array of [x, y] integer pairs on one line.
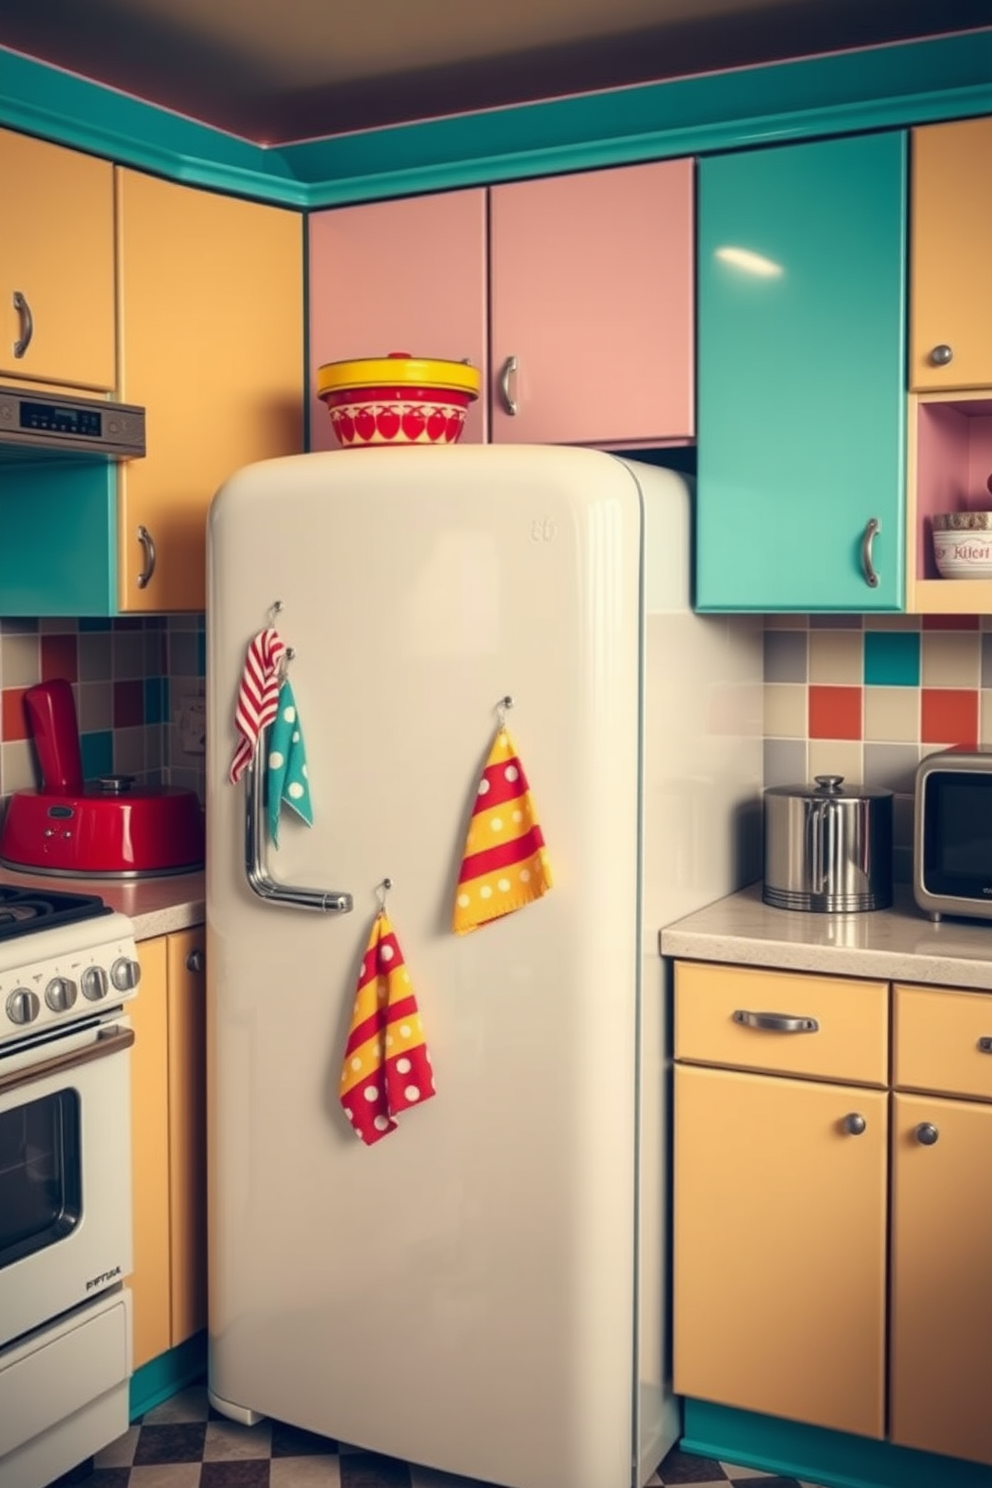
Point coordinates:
[[65, 1172]]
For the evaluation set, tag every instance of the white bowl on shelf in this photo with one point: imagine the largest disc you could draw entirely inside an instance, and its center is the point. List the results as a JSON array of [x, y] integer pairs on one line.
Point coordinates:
[[962, 544]]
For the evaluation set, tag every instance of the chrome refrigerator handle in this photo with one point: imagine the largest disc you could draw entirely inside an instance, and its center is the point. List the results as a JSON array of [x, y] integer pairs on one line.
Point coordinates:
[[260, 881]]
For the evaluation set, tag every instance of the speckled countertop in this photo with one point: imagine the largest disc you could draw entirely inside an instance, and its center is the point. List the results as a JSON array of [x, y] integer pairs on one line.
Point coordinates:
[[156, 905], [897, 944]]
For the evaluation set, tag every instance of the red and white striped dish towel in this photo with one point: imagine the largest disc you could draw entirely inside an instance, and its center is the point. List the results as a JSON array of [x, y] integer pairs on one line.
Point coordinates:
[[258, 695]]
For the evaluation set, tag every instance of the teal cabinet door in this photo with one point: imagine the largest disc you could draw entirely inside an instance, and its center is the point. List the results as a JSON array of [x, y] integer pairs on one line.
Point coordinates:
[[801, 403]]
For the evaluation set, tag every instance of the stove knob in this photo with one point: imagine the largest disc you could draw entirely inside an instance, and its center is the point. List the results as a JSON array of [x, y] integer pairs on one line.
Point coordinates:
[[60, 994], [94, 983], [22, 1005], [125, 974]]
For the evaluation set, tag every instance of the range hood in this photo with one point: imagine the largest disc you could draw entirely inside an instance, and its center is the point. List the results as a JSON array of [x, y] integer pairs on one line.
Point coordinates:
[[41, 424]]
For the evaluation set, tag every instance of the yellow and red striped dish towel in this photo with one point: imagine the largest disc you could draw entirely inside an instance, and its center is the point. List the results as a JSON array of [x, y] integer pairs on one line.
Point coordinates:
[[505, 864], [387, 1068]]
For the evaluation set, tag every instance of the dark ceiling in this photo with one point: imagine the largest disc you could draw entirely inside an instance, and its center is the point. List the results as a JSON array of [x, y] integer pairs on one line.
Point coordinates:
[[277, 71]]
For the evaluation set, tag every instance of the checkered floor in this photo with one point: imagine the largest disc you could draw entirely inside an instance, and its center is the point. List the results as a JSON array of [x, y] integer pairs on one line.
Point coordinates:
[[185, 1444]]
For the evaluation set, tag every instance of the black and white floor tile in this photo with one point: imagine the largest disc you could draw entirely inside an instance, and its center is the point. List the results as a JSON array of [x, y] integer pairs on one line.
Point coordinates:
[[185, 1444]]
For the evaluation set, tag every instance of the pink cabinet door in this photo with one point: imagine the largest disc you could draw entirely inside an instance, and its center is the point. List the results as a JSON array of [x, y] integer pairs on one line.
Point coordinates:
[[407, 275], [592, 298]]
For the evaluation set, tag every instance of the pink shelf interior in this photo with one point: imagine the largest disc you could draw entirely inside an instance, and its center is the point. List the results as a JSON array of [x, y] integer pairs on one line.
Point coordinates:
[[954, 463]]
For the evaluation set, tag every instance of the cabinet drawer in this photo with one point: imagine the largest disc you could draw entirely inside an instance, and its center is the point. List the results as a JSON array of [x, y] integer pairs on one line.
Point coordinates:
[[757, 1019], [937, 1041]]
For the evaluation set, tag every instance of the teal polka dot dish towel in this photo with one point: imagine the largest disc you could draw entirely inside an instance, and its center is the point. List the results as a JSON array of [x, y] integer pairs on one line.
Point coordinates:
[[286, 779]]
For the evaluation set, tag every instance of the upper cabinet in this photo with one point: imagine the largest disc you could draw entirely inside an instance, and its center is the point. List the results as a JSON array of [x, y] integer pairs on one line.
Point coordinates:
[[951, 285], [56, 265], [211, 309], [405, 275], [801, 402], [592, 307], [573, 293]]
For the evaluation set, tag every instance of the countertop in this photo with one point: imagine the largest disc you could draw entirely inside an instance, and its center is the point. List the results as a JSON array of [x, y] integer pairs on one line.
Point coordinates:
[[157, 906], [897, 944]]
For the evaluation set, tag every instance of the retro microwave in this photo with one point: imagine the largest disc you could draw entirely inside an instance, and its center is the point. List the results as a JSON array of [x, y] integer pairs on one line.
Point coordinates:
[[952, 834]]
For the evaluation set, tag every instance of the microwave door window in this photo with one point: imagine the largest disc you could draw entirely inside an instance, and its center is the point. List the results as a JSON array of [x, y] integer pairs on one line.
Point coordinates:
[[959, 836]]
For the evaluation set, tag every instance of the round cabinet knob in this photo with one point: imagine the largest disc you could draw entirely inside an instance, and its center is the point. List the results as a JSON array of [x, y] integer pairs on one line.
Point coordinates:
[[23, 1005], [196, 961], [60, 994], [927, 1133], [854, 1124], [94, 983], [125, 974], [941, 355]]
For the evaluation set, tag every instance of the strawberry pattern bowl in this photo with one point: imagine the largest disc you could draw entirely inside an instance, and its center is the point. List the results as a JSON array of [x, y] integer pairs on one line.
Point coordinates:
[[397, 399]]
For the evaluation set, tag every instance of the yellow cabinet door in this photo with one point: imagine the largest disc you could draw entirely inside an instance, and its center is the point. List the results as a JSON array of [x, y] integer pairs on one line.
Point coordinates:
[[187, 1134], [950, 283], [779, 1246], [941, 1353], [56, 264], [149, 1282], [211, 310]]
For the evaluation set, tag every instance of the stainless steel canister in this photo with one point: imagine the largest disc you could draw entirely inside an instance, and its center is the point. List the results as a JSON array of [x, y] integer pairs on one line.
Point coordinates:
[[826, 848]]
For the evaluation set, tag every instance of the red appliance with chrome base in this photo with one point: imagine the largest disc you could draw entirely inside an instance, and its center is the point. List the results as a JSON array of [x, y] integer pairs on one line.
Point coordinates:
[[106, 828]]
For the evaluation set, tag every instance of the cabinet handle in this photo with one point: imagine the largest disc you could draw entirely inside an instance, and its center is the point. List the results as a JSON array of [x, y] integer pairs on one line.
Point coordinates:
[[776, 1022], [926, 1133], [854, 1124], [196, 961], [872, 526], [148, 543], [941, 355], [985, 1046], [27, 323], [509, 370]]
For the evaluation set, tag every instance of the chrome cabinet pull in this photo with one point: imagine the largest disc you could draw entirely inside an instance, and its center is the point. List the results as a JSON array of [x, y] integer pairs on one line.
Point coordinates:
[[867, 544], [27, 323], [260, 881], [854, 1124], [941, 355], [509, 370], [776, 1022], [148, 543], [196, 961], [926, 1133]]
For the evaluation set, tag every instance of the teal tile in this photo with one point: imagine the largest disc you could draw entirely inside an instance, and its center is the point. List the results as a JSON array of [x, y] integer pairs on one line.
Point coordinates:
[[892, 658], [97, 751]]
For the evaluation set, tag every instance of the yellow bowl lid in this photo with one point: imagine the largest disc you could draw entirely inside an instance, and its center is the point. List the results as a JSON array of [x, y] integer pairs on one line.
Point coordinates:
[[398, 368]]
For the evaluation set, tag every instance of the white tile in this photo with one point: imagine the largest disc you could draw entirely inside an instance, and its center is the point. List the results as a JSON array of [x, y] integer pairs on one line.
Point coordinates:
[[166, 1475], [734, 1472], [229, 1439], [188, 1405], [432, 1477], [305, 1472]]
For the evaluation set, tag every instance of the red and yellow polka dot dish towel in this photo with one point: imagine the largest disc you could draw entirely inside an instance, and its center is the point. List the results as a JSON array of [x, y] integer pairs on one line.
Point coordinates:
[[505, 863], [386, 1068]]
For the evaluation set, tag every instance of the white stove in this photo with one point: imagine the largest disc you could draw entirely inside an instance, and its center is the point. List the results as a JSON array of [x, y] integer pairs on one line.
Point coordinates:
[[68, 968]]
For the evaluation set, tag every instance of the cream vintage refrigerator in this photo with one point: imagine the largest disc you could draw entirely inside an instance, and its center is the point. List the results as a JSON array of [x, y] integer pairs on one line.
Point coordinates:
[[482, 1291]]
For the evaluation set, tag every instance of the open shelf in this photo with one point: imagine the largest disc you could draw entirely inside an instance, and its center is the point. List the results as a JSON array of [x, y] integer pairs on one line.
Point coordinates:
[[950, 462]]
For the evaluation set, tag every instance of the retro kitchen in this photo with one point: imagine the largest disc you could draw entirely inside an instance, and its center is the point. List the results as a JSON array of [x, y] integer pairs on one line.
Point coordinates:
[[601, 760]]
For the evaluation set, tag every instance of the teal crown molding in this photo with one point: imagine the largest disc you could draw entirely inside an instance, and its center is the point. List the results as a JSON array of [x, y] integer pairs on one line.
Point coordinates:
[[879, 88]]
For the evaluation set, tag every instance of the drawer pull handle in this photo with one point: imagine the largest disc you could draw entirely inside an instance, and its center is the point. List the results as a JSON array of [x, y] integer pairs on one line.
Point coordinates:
[[926, 1133], [776, 1022], [854, 1124], [985, 1046]]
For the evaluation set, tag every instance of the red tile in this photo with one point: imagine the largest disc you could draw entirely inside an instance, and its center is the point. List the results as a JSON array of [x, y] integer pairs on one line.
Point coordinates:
[[13, 722], [129, 703], [949, 715], [950, 622], [835, 712], [59, 657]]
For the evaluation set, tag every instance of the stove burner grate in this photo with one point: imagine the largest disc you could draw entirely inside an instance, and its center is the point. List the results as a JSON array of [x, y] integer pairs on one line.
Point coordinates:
[[23, 911]]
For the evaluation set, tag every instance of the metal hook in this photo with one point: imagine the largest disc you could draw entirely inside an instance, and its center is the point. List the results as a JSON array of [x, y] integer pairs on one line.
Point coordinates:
[[382, 890], [501, 709], [274, 608]]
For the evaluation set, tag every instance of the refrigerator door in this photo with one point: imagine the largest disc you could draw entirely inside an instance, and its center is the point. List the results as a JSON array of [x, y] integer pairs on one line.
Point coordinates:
[[461, 1294]]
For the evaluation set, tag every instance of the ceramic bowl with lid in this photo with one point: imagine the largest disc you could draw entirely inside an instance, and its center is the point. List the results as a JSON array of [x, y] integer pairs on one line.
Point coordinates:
[[962, 544], [397, 399]]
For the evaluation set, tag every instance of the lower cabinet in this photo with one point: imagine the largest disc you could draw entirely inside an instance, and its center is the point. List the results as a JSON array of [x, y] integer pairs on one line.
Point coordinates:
[[833, 1239], [168, 1105]]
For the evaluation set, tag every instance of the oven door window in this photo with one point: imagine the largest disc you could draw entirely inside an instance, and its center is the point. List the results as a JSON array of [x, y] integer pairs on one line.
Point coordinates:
[[40, 1180]]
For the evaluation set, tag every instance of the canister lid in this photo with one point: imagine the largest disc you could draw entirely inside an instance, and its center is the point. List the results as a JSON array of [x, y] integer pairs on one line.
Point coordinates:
[[398, 369], [830, 787]]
